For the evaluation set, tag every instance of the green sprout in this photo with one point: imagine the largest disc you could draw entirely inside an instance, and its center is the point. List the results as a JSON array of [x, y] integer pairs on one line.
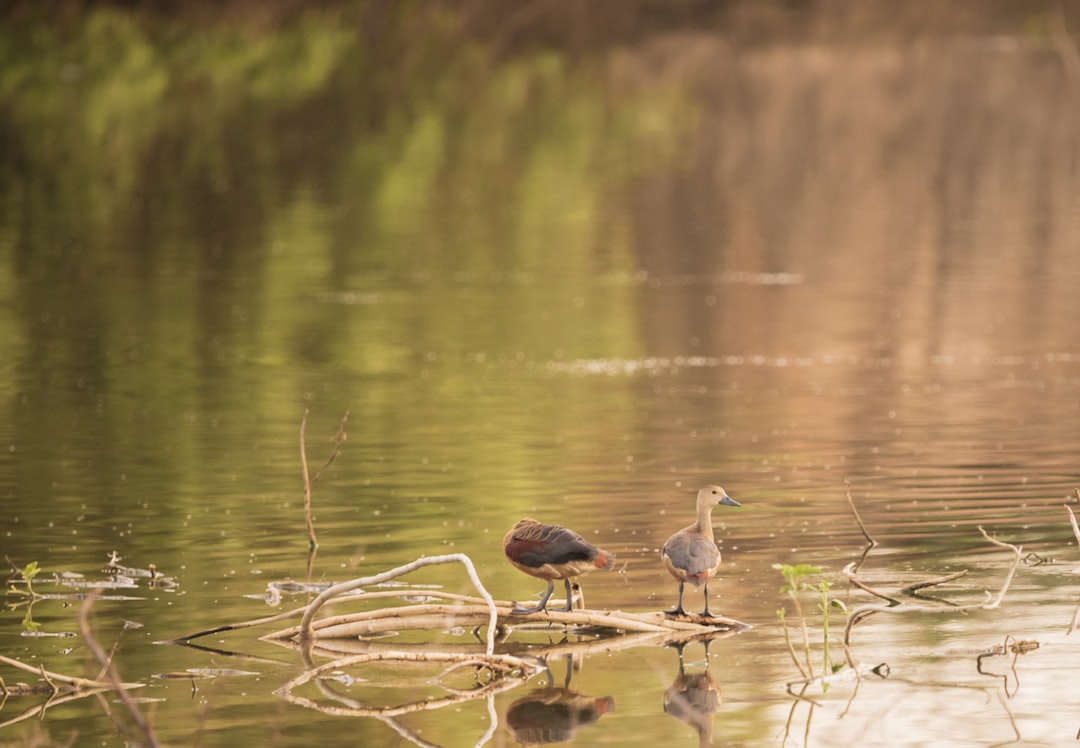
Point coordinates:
[[795, 578], [28, 573]]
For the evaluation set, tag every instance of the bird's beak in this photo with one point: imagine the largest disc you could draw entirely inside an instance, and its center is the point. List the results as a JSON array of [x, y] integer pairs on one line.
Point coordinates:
[[729, 501]]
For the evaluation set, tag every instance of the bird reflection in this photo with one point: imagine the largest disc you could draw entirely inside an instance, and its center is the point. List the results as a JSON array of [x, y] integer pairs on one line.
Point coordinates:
[[553, 715], [694, 699]]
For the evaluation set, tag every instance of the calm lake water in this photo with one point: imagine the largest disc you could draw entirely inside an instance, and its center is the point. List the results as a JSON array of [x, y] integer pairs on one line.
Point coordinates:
[[573, 285]]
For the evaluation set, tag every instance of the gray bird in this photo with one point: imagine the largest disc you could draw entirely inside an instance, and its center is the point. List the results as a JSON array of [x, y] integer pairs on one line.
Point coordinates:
[[691, 555]]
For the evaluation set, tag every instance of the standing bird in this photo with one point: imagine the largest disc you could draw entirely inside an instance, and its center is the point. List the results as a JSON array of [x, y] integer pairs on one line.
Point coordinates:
[[551, 552], [691, 555]]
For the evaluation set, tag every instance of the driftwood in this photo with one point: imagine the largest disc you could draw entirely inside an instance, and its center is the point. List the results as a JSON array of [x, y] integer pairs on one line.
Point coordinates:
[[56, 682], [334, 648], [495, 664], [897, 606], [436, 616], [470, 612]]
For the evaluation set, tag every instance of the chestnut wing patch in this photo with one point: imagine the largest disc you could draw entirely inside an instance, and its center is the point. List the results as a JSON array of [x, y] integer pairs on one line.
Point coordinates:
[[548, 544]]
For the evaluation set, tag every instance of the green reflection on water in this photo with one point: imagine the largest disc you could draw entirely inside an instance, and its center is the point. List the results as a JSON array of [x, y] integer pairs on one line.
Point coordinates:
[[212, 227]]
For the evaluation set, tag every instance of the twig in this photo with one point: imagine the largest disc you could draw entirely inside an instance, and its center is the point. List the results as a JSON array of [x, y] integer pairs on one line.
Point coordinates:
[[339, 439], [236, 626], [1016, 549], [110, 670], [849, 574], [790, 646], [873, 543], [913, 588], [309, 480], [312, 540], [1072, 520], [78, 684], [337, 589], [1075, 620]]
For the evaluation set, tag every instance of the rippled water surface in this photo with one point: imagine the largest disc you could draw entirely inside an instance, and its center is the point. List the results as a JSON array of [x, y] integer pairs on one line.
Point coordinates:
[[578, 286]]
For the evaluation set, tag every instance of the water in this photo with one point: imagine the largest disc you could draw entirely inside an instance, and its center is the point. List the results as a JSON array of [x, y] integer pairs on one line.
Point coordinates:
[[579, 292]]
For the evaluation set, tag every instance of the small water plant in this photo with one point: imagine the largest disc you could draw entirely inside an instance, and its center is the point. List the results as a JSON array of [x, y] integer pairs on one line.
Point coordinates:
[[795, 583], [27, 573]]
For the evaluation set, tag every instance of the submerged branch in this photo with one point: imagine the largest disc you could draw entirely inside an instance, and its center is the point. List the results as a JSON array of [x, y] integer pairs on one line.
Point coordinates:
[[915, 587], [109, 670], [74, 683], [500, 664], [991, 602], [849, 574], [235, 626]]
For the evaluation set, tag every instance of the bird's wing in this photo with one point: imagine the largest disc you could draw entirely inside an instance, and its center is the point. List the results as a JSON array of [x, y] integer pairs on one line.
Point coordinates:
[[536, 545], [693, 554]]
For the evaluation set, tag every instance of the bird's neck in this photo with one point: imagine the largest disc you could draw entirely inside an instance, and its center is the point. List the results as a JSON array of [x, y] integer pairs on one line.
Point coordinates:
[[704, 521]]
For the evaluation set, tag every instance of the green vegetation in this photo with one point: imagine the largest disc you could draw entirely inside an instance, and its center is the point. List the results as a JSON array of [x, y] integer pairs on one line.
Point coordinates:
[[28, 573], [796, 583]]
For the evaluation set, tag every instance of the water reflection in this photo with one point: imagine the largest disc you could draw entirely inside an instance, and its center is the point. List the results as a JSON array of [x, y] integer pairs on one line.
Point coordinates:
[[555, 714], [694, 698], [732, 250]]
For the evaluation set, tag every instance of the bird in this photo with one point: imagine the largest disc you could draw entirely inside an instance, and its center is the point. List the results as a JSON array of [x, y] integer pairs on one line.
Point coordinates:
[[691, 555], [553, 715], [551, 552], [694, 699]]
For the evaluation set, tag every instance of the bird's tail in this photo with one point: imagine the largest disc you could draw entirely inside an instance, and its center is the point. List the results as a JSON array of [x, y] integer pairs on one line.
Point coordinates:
[[604, 560]]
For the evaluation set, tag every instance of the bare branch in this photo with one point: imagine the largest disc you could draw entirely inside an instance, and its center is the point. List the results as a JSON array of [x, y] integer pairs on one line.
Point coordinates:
[[309, 480], [912, 588], [991, 602], [849, 574], [1072, 520], [851, 502], [337, 589], [110, 670], [307, 484]]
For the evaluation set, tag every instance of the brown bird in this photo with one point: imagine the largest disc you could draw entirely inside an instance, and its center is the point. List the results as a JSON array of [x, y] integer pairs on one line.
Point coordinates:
[[553, 715], [691, 555], [551, 552]]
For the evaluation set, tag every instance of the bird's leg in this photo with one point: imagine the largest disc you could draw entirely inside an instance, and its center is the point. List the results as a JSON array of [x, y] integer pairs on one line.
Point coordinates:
[[569, 598], [520, 611], [706, 612], [680, 646], [678, 608]]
